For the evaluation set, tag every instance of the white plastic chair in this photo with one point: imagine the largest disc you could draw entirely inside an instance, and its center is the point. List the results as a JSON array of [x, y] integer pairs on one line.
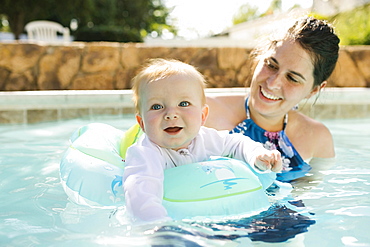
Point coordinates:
[[46, 31]]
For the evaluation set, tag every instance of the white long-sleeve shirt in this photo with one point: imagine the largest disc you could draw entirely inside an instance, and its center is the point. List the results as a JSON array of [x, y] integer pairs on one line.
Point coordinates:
[[146, 161]]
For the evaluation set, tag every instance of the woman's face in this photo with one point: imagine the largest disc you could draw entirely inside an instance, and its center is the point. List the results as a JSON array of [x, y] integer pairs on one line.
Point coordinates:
[[282, 78]]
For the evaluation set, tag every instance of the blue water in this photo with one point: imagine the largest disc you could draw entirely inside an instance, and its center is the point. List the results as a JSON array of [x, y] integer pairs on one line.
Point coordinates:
[[35, 211]]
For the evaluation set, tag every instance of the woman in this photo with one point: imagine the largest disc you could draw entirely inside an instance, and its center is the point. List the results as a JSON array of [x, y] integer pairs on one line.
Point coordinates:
[[286, 71]]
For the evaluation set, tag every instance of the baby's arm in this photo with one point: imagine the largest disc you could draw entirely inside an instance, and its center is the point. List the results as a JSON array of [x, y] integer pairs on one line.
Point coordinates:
[[259, 159], [253, 153], [143, 184]]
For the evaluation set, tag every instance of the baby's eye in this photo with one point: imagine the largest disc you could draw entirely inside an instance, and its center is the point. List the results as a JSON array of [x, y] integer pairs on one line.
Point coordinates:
[[184, 103], [156, 107]]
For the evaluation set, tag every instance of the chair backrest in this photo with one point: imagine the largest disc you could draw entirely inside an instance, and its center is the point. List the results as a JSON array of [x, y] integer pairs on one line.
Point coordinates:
[[46, 31]]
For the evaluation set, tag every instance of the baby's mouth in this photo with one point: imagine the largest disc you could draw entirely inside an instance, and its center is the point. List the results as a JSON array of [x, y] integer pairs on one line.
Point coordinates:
[[269, 96], [173, 130]]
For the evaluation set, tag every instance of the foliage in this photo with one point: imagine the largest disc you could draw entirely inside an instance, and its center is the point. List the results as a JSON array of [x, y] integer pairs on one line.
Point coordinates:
[[275, 5], [245, 13], [4, 19], [353, 27], [107, 33], [24, 11], [140, 16]]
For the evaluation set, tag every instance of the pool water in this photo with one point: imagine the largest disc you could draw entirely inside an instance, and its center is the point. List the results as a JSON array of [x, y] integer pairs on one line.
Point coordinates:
[[35, 211]]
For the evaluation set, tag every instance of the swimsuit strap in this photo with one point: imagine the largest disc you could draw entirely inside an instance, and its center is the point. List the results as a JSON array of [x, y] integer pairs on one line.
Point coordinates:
[[249, 116]]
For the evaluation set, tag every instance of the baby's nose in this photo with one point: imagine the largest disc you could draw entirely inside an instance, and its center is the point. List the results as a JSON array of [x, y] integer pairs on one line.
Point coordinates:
[[171, 114]]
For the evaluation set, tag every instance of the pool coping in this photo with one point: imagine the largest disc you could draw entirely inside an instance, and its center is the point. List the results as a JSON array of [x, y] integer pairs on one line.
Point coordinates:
[[22, 107]]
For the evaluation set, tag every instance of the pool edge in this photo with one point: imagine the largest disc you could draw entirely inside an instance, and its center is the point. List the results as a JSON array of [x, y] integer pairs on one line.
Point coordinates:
[[23, 107]]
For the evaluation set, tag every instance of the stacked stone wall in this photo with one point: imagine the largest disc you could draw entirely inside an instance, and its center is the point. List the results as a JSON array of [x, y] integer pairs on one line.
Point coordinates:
[[109, 66]]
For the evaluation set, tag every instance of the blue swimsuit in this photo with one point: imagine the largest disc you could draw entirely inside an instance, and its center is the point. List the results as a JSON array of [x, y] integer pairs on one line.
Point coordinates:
[[293, 165]]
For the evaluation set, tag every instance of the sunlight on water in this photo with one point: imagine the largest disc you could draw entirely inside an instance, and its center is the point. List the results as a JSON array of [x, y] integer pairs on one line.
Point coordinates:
[[35, 211], [352, 211]]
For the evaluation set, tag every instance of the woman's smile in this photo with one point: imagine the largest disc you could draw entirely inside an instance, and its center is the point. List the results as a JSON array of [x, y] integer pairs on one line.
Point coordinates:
[[269, 96]]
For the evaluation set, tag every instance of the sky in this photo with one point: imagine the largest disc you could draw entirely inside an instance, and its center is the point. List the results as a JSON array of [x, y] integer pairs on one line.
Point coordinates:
[[200, 18]]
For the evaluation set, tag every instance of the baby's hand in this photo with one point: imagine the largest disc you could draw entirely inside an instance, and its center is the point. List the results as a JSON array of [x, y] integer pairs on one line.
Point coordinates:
[[269, 161]]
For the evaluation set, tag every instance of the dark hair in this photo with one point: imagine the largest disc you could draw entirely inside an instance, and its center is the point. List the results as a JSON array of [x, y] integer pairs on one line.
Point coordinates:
[[317, 37]]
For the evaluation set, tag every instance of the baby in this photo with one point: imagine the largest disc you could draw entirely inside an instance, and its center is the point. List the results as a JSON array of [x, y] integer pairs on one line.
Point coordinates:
[[171, 110]]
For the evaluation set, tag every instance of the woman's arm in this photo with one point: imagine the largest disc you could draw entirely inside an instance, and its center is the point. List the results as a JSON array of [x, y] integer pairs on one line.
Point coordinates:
[[311, 138], [225, 111], [314, 142], [324, 142]]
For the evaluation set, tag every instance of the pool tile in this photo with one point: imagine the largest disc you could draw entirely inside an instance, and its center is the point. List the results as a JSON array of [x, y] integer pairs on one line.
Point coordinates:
[[43, 106], [72, 113], [36, 116], [353, 111], [128, 110], [327, 111], [106, 111], [12, 117]]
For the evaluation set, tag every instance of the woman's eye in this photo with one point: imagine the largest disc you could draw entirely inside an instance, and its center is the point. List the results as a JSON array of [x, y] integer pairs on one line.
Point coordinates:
[[184, 103], [156, 107], [292, 78], [270, 64]]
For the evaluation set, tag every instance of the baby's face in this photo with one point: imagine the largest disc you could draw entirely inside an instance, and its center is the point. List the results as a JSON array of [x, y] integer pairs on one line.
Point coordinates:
[[172, 111]]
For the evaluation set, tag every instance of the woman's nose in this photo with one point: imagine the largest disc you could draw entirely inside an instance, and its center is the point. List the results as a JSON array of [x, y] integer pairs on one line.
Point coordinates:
[[274, 81]]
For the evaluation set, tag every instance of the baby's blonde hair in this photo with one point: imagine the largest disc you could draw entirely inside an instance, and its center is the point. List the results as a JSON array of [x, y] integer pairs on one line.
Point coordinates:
[[159, 68]]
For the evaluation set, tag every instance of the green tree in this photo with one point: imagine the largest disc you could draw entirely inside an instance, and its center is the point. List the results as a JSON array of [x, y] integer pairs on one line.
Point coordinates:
[[141, 16], [21, 12], [353, 27], [275, 5], [245, 13]]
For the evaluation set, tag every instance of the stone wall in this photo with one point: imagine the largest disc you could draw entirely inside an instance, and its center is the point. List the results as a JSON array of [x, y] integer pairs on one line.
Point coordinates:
[[107, 66]]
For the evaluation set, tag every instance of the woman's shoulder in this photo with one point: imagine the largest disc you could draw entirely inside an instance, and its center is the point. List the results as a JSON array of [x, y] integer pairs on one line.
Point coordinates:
[[302, 120], [225, 111], [311, 137]]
